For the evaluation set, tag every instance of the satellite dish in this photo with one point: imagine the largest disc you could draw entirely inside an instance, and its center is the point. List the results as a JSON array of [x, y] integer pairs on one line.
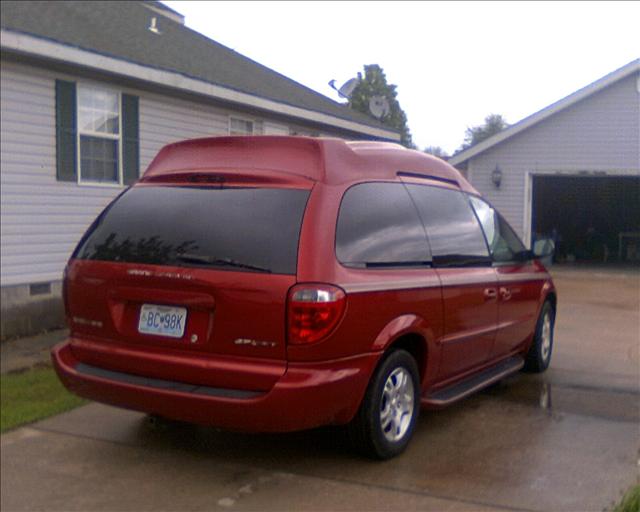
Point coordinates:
[[378, 106], [347, 88]]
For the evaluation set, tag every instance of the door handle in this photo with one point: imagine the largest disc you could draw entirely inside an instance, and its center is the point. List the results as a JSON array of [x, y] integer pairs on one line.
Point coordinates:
[[490, 293], [505, 293]]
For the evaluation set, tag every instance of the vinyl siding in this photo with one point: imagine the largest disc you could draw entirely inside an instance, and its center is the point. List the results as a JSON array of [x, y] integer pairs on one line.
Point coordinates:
[[164, 120], [42, 218], [600, 134], [275, 129]]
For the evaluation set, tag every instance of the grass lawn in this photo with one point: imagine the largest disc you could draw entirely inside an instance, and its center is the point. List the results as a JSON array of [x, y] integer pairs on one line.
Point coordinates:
[[630, 502], [32, 395]]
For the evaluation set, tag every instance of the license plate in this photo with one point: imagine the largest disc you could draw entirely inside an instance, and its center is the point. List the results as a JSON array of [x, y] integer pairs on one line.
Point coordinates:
[[162, 320]]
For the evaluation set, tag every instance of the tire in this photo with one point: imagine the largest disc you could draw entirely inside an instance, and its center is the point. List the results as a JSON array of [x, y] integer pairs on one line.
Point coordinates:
[[539, 356], [386, 419]]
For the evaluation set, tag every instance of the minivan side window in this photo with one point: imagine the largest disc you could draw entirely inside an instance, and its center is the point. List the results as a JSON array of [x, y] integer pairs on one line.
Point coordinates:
[[454, 235], [378, 226], [504, 244]]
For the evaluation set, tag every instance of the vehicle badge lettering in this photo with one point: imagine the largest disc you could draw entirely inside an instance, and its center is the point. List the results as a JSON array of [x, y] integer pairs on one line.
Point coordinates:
[[254, 343]]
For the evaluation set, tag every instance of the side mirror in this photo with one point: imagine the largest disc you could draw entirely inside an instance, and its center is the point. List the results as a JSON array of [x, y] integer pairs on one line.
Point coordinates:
[[544, 248]]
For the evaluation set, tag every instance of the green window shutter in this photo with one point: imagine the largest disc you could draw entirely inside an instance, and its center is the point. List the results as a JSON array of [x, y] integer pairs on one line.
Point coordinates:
[[130, 139], [66, 155]]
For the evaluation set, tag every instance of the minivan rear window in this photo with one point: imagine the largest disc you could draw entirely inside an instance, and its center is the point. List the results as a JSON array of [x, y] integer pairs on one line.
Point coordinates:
[[241, 229]]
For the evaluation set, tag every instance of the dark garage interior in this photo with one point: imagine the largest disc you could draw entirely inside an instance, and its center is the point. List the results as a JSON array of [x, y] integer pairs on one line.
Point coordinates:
[[591, 218]]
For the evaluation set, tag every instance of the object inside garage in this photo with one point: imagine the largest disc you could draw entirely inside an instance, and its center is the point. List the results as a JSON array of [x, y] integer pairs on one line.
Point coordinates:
[[591, 218]]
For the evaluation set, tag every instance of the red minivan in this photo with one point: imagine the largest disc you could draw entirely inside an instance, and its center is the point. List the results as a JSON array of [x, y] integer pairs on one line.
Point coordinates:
[[283, 283]]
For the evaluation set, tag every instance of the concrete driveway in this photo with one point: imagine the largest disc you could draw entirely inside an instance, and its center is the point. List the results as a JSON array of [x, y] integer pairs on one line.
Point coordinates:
[[567, 440]]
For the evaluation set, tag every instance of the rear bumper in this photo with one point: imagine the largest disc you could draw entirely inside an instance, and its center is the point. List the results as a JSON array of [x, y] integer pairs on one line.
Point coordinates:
[[306, 396]]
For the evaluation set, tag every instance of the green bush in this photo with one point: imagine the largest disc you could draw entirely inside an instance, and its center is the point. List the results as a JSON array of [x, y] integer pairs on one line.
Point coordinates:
[[630, 502]]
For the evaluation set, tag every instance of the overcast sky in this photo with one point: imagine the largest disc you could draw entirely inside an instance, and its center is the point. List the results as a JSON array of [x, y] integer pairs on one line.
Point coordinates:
[[453, 62]]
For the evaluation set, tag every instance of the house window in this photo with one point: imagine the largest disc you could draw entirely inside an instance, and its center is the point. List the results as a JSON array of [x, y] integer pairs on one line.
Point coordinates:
[[240, 126], [99, 135]]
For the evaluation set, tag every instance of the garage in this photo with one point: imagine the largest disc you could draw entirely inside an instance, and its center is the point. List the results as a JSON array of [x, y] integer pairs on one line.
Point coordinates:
[[591, 218], [570, 172]]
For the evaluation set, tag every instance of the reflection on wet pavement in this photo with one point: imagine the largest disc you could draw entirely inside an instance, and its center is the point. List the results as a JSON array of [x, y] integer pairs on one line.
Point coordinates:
[[613, 404]]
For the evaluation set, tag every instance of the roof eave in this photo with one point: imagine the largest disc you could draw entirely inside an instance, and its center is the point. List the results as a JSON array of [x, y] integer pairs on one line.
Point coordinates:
[[52, 50], [527, 122]]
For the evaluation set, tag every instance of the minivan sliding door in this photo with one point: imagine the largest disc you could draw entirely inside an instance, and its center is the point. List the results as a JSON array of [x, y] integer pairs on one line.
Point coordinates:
[[469, 283]]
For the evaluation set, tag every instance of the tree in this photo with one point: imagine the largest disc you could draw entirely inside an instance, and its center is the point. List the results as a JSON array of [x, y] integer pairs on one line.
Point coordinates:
[[436, 151], [374, 83], [493, 124]]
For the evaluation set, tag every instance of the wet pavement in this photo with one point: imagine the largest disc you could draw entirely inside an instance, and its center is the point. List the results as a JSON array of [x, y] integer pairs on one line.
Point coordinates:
[[565, 440]]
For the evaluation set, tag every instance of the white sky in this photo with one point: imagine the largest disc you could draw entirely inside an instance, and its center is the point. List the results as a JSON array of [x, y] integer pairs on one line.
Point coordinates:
[[453, 62]]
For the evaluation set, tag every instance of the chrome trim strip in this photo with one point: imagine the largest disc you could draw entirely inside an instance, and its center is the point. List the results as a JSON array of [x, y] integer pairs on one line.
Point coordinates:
[[389, 286], [445, 280], [487, 279], [467, 335], [528, 276]]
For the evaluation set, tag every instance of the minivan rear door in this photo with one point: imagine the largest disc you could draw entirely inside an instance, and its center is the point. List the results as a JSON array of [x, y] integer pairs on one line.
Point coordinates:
[[190, 267]]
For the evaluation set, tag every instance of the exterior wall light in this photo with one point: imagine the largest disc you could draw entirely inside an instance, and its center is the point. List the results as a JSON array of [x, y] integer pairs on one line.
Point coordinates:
[[496, 176]]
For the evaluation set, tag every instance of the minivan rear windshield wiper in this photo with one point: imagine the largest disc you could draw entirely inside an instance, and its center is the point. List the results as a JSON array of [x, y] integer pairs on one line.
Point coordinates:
[[222, 262], [382, 264]]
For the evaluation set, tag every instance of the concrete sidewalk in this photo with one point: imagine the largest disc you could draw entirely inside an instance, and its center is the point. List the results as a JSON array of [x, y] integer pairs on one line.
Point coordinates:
[[24, 353]]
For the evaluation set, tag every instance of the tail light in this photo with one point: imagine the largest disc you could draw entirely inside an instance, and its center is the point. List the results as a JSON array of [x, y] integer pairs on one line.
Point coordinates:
[[313, 311]]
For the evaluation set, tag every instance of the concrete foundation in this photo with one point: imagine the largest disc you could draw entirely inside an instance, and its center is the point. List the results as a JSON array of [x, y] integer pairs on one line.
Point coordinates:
[[28, 309]]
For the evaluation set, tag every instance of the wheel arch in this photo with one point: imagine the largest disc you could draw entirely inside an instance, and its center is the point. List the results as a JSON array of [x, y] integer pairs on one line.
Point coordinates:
[[416, 345], [549, 294], [411, 333], [552, 297]]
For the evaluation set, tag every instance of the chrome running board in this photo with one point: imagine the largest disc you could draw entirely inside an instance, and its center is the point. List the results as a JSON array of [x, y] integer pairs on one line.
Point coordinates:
[[459, 390]]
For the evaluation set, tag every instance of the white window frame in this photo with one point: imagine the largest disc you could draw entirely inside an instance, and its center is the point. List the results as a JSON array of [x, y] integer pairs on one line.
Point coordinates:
[[111, 136], [254, 124]]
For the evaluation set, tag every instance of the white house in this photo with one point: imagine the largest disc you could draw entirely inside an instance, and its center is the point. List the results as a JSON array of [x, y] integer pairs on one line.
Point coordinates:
[[571, 170], [90, 92]]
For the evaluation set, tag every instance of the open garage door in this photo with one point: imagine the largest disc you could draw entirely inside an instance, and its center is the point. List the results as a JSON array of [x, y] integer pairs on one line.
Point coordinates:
[[592, 218]]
